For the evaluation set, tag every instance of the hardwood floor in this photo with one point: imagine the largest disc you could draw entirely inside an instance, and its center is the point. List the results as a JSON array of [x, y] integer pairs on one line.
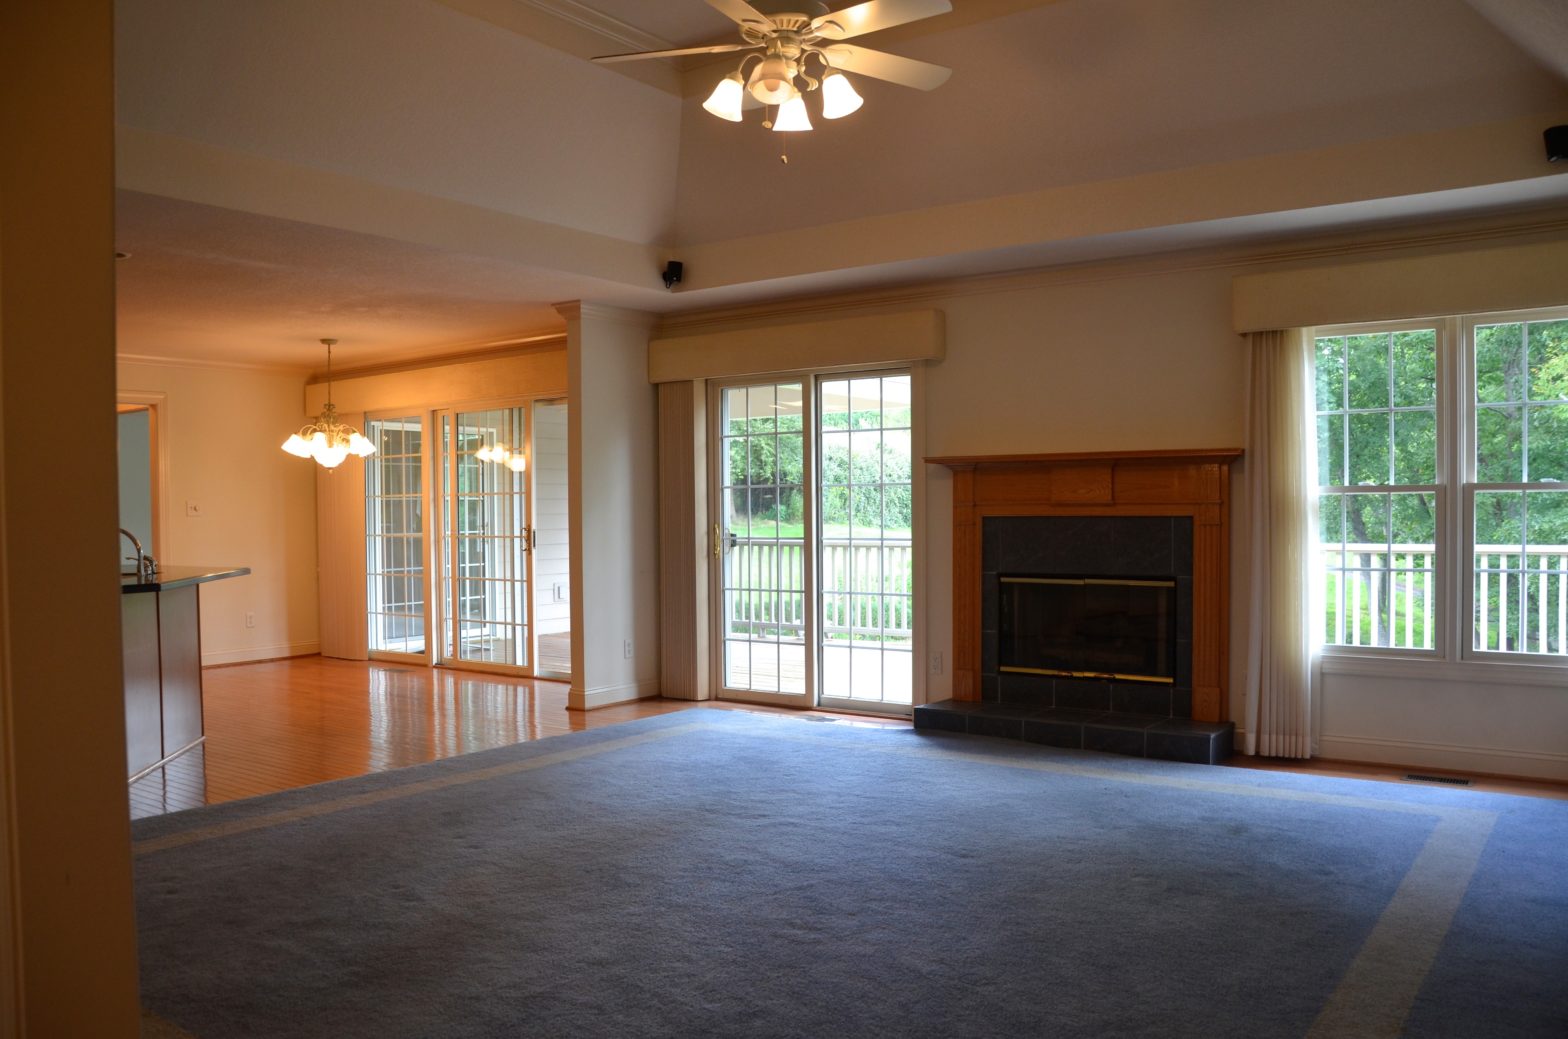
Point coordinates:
[[290, 723]]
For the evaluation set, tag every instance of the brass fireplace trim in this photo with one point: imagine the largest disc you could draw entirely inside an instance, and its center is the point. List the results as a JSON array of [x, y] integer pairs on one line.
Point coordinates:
[[1117, 581], [1086, 674]]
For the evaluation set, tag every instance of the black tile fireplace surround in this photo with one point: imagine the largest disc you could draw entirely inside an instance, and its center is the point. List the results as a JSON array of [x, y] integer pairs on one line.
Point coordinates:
[[1066, 546], [1137, 718]]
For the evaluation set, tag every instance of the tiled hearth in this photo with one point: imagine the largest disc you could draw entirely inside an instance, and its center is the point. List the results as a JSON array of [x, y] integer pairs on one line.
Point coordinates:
[[1139, 735]]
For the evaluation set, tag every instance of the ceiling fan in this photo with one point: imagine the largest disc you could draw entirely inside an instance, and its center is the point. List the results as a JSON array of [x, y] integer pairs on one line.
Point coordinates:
[[784, 44]]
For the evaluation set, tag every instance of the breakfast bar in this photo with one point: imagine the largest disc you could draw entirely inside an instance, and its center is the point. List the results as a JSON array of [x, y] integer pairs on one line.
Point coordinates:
[[161, 640]]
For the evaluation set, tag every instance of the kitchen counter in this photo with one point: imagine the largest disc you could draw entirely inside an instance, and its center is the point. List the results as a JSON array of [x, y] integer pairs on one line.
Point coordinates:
[[169, 577], [160, 632]]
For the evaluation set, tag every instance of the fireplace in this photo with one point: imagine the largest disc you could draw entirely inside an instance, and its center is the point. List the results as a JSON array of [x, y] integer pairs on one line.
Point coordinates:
[[1151, 515], [1097, 626], [1123, 643]]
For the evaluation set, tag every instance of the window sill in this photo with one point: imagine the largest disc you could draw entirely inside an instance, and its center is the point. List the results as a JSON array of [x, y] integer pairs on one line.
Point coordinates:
[[1436, 669]]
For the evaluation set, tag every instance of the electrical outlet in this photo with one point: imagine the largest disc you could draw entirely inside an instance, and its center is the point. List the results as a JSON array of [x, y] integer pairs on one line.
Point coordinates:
[[250, 620], [626, 649], [936, 663], [194, 509]]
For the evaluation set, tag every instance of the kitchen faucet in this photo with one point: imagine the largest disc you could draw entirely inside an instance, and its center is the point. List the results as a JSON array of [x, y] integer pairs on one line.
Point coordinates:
[[146, 567]]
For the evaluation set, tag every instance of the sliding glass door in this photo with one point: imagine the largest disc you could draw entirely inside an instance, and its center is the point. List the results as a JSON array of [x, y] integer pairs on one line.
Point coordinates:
[[765, 619], [813, 591], [866, 547]]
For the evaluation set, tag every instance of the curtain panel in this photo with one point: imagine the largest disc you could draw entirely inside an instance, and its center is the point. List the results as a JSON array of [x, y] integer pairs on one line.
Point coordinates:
[[1283, 603]]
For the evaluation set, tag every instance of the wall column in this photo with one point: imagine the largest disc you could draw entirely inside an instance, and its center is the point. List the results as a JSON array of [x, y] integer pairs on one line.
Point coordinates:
[[68, 958], [613, 496]]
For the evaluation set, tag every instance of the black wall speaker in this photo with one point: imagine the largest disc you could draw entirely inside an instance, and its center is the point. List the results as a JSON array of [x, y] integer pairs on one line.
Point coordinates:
[[672, 273], [1556, 142]]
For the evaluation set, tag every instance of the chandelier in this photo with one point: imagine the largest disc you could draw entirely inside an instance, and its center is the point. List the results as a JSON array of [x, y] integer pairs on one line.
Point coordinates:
[[327, 440]]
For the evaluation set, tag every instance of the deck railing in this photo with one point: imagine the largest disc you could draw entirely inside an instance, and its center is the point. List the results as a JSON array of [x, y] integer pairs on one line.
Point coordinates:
[[1521, 597], [868, 588]]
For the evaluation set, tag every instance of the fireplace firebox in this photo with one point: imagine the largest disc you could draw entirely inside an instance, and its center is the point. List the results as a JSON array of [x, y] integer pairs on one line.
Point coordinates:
[[1088, 627]]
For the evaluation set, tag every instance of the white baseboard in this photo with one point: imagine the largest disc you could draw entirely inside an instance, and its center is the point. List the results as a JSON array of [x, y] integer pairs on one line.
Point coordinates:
[[606, 696], [1491, 760], [258, 653]]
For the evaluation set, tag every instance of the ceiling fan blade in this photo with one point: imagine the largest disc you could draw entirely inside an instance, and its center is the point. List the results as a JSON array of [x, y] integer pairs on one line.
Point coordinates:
[[906, 72], [873, 15], [718, 48], [742, 12]]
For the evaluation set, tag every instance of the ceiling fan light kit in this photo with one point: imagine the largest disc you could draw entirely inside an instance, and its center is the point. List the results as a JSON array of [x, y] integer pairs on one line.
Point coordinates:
[[784, 44]]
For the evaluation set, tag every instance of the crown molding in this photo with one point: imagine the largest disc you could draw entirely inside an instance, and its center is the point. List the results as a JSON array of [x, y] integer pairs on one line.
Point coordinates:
[[1491, 231]]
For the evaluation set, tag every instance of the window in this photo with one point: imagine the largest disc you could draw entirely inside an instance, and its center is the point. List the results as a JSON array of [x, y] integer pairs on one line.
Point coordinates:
[[1519, 511], [1426, 428]]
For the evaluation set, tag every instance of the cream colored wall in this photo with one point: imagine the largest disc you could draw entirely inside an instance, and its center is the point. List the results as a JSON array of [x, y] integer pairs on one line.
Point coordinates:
[[1082, 362], [613, 492], [257, 504]]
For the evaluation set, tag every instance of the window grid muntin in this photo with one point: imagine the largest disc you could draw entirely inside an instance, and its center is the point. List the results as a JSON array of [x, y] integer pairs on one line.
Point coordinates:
[[485, 538], [1481, 642], [1377, 587], [762, 580], [853, 593], [394, 526]]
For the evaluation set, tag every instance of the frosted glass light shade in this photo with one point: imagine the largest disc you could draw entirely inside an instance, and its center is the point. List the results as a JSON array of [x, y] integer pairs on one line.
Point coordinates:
[[726, 98], [333, 456], [517, 463], [358, 445], [792, 116], [839, 97], [771, 81], [297, 446]]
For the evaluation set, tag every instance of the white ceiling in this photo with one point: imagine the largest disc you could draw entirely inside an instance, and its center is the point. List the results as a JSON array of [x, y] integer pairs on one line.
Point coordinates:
[[416, 177]]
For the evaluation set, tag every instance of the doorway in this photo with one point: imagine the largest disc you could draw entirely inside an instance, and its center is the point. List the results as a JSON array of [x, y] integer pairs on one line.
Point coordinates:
[[489, 587], [813, 530]]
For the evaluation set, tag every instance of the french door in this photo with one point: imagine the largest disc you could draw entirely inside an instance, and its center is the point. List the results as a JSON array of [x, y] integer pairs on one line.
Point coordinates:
[[812, 532], [486, 535], [489, 587]]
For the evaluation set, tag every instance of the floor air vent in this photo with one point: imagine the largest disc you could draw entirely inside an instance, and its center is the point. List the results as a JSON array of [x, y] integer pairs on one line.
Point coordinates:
[[1419, 777]]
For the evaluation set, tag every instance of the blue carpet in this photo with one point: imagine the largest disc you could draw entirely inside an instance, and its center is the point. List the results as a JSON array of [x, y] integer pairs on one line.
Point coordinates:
[[717, 873]]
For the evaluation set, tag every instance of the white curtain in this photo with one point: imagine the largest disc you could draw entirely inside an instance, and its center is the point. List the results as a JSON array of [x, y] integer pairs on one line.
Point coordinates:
[[1283, 607]]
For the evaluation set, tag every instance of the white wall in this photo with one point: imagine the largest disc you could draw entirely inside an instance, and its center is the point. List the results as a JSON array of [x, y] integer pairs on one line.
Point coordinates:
[[257, 505], [614, 507]]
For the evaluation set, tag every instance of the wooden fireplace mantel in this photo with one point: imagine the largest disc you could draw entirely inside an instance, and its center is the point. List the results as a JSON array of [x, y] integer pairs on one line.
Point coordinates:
[[1192, 483]]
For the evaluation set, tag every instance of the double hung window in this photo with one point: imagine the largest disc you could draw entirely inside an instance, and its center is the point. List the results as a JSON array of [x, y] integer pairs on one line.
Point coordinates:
[[1442, 460]]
